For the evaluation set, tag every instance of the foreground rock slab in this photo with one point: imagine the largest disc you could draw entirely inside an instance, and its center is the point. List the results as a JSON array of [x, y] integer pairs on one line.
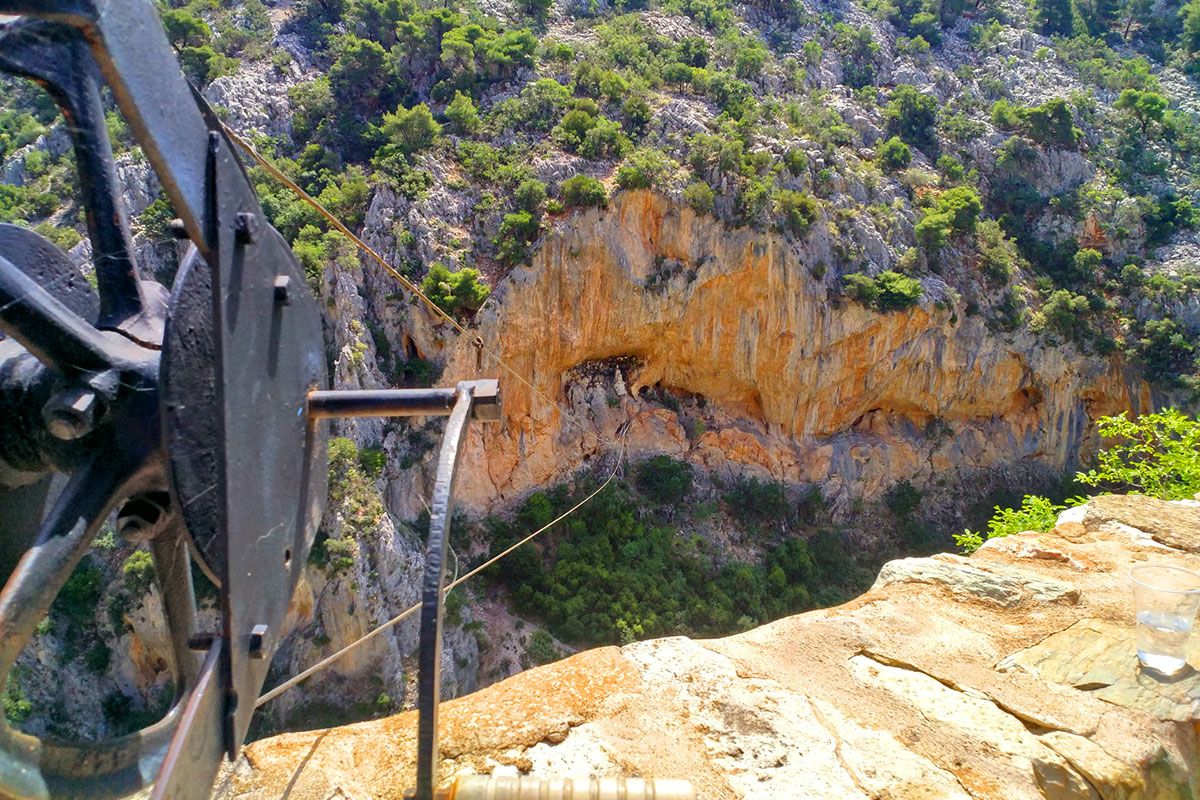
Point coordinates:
[[1010, 674]]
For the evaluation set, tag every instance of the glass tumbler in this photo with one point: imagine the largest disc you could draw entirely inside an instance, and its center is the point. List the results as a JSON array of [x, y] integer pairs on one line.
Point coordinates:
[[1166, 599]]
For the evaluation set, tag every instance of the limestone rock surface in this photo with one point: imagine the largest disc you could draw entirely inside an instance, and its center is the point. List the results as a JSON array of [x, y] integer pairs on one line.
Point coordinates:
[[1011, 674], [797, 382]]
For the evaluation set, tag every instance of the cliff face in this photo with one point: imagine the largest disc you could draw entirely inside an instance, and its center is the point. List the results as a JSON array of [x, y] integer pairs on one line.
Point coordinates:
[[1010, 674], [793, 380]]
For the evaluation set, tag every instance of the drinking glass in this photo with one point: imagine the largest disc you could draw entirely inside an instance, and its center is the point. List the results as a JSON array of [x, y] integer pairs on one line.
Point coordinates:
[[1166, 599]]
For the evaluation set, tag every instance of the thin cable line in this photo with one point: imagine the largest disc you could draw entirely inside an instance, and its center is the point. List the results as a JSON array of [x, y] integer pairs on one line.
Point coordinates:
[[295, 188], [568, 415], [403, 615]]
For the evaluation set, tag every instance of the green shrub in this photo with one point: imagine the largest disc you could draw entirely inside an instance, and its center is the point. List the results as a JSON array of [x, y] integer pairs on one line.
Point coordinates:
[[1050, 124], [1065, 314], [411, 130], [517, 230], [582, 191], [755, 502], [1085, 264], [79, 596], [530, 195], [1155, 454], [956, 211], [797, 209], [902, 499], [17, 707], [897, 292], [1166, 349], [888, 291], [462, 115], [372, 461], [700, 196], [894, 154], [138, 572], [664, 479], [998, 255], [98, 658], [795, 161], [541, 649], [1035, 514], [1145, 107], [642, 170], [912, 115], [612, 574], [927, 26], [461, 292], [859, 49]]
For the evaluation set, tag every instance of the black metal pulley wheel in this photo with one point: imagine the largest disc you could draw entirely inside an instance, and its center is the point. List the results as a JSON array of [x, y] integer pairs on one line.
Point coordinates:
[[184, 412]]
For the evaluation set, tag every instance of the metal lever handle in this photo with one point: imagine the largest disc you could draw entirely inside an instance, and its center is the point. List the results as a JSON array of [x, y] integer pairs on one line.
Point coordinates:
[[487, 787]]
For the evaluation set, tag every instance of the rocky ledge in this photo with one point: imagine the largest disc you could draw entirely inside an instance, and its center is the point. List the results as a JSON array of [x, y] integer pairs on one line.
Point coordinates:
[[1010, 674]]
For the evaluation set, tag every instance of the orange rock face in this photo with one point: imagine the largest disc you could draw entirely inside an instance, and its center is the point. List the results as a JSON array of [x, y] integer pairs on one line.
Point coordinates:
[[799, 382]]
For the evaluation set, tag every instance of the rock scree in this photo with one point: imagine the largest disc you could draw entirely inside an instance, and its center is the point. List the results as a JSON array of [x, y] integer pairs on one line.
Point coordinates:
[[1011, 674]]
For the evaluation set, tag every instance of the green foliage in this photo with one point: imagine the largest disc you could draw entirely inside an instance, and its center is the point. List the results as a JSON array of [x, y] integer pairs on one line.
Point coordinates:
[[756, 502], [1166, 349], [63, 238], [1146, 107], [887, 291], [1065, 314], [859, 50], [517, 230], [902, 499], [411, 130], [98, 658], [17, 129], [700, 196], [998, 254], [462, 115], [1085, 264], [79, 596], [138, 572], [461, 292], [1054, 17], [582, 191], [927, 26], [372, 461], [203, 65], [530, 195], [664, 479], [912, 115], [612, 574], [643, 169], [955, 212], [1034, 514], [541, 649], [797, 210], [894, 154], [1050, 124], [15, 704], [184, 29], [1154, 454], [795, 161]]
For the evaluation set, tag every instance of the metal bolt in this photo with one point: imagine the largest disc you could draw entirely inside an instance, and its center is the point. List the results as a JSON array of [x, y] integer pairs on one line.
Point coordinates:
[[258, 641], [283, 290], [71, 413], [246, 227]]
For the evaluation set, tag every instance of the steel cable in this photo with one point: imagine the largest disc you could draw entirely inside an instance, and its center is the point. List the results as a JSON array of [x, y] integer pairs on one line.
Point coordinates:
[[568, 415]]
